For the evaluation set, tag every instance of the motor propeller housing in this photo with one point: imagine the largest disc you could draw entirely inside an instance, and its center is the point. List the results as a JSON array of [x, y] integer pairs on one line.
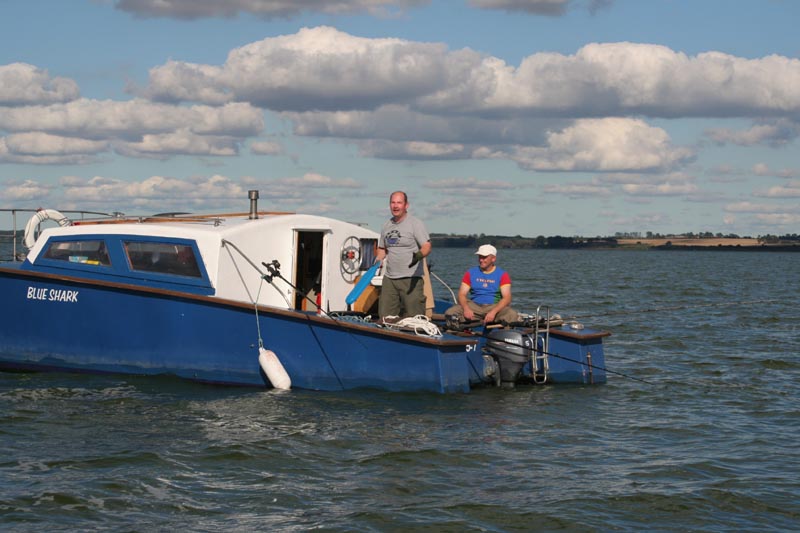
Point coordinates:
[[512, 350]]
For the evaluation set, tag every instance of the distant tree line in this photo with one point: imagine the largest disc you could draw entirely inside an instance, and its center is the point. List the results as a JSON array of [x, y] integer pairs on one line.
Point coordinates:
[[779, 239], [689, 235], [765, 239], [442, 240]]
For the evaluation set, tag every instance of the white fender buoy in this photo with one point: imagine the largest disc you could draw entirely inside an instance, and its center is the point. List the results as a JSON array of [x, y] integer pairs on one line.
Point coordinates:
[[39, 217], [274, 370]]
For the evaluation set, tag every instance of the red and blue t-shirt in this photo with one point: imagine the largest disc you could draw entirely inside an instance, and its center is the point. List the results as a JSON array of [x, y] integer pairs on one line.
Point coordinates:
[[485, 286]]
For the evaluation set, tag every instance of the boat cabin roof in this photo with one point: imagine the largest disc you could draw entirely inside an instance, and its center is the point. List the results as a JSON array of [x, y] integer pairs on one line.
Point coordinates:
[[226, 254]]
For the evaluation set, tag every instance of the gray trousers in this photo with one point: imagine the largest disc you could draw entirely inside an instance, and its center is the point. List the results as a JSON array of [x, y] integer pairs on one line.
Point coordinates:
[[402, 297], [481, 310]]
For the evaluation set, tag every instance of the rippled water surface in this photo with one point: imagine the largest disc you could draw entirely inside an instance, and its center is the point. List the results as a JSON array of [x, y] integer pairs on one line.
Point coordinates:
[[707, 443]]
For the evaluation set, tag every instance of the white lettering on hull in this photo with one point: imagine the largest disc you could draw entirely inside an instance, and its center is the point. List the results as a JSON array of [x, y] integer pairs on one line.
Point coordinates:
[[52, 295]]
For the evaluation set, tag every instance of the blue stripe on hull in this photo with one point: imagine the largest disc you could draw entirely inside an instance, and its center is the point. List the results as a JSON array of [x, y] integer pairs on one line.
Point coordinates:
[[127, 330]]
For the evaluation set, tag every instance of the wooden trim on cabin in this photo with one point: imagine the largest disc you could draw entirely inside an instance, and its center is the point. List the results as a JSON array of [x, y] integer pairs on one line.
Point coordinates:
[[224, 215], [177, 218], [287, 313]]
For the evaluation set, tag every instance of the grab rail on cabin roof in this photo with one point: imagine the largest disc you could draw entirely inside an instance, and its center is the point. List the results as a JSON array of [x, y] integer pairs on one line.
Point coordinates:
[[214, 218], [115, 218], [13, 235]]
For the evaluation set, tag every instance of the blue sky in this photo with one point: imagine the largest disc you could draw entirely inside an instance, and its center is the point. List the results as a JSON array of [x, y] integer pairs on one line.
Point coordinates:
[[529, 117]]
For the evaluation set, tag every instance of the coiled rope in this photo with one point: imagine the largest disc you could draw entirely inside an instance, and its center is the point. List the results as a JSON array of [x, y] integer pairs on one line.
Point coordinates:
[[420, 324]]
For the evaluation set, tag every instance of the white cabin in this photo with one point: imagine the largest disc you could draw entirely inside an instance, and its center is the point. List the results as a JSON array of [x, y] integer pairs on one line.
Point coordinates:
[[318, 255]]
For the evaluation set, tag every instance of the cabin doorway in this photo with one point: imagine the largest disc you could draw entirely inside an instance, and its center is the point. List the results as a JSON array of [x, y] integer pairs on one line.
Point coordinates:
[[308, 270]]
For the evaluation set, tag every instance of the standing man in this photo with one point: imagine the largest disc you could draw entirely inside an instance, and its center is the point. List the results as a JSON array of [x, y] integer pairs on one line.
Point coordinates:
[[404, 243], [489, 287]]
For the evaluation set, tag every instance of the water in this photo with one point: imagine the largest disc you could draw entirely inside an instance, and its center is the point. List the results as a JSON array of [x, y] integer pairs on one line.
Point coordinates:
[[709, 444]]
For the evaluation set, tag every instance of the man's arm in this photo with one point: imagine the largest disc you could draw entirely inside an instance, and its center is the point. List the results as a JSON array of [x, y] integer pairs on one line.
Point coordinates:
[[505, 301], [426, 248], [420, 254], [463, 298]]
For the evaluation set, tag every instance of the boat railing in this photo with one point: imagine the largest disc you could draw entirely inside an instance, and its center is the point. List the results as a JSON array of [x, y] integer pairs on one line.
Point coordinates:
[[11, 240], [540, 365], [440, 280]]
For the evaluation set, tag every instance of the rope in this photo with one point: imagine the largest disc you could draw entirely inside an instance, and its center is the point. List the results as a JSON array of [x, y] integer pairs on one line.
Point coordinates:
[[260, 285], [258, 322], [420, 324], [226, 242], [455, 300], [366, 319]]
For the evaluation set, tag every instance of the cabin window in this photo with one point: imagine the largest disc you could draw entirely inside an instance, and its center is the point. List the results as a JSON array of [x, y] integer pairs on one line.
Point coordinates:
[[162, 258], [83, 252], [369, 249]]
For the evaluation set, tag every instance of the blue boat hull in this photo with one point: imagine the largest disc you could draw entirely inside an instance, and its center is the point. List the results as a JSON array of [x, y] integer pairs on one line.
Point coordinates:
[[53, 322], [576, 356]]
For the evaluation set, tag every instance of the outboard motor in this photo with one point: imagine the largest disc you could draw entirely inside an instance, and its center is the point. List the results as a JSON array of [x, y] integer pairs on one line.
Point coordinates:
[[511, 349]]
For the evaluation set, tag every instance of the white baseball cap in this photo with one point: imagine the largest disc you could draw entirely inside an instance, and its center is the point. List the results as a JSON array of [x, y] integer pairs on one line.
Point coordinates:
[[486, 249]]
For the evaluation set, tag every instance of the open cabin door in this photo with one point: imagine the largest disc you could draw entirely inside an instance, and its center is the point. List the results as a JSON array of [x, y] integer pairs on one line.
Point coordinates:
[[308, 269]]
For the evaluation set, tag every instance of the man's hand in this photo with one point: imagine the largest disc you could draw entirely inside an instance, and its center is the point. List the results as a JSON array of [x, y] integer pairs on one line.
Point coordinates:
[[416, 259]]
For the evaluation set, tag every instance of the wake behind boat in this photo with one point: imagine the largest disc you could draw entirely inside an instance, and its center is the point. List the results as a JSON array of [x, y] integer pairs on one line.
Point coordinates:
[[254, 298]]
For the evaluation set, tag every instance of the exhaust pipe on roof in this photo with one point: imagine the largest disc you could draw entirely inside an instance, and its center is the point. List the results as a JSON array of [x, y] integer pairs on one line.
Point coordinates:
[[253, 195]]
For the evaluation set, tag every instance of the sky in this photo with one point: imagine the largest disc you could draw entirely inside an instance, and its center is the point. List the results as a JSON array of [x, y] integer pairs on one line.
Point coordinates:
[[503, 117]]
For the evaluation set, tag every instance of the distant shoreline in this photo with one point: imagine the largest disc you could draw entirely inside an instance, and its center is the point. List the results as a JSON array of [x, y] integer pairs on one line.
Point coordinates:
[[680, 241], [748, 244], [744, 244]]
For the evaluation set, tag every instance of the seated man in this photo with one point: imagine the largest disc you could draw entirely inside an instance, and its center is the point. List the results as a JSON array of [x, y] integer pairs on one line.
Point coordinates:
[[485, 292]]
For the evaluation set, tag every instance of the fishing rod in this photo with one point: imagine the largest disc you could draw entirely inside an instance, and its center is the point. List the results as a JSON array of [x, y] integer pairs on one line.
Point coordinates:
[[578, 362], [592, 365], [274, 269], [673, 308], [475, 323]]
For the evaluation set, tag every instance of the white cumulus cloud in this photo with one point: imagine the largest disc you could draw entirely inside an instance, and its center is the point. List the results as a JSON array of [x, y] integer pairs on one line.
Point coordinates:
[[607, 145], [23, 84]]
